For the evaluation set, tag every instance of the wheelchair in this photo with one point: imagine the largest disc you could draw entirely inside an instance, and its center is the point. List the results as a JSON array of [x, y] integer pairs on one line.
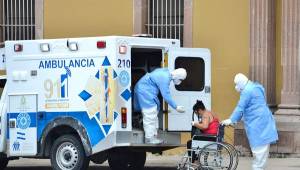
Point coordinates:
[[210, 152]]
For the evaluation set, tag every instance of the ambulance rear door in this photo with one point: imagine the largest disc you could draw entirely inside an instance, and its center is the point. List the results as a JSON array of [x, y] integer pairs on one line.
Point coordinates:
[[197, 85]]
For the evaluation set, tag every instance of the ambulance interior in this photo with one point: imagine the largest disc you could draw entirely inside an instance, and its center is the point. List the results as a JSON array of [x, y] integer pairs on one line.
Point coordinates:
[[143, 60], [2, 84]]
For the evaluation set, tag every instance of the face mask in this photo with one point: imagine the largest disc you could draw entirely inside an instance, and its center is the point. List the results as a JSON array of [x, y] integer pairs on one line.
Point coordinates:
[[237, 88], [177, 81]]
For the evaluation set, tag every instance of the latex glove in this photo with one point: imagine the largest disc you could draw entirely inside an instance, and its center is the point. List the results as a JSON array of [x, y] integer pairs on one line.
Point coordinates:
[[180, 109], [193, 123], [226, 122]]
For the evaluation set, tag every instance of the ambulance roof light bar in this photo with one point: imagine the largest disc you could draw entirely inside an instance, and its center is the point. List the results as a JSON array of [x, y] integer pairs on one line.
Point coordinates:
[[122, 49], [72, 46], [101, 44], [44, 47]]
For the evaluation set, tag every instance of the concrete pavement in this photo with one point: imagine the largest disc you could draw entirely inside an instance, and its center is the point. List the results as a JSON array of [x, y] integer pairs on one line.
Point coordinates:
[[157, 163]]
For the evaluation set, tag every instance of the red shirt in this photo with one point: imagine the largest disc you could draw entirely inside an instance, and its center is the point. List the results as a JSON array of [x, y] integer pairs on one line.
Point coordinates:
[[212, 127]]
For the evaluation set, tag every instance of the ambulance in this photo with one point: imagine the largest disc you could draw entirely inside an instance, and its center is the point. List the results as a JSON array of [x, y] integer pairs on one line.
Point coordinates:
[[70, 100]]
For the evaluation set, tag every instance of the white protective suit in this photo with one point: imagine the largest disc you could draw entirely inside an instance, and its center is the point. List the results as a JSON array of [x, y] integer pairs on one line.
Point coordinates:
[[258, 120], [146, 98], [260, 154]]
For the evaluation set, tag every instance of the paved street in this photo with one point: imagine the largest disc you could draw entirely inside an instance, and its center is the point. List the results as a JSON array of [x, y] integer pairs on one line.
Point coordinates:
[[157, 163]]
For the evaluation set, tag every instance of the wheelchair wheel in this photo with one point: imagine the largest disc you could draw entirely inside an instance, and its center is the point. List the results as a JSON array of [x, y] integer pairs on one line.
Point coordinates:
[[186, 163], [235, 155], [183, 165], [215, 156]]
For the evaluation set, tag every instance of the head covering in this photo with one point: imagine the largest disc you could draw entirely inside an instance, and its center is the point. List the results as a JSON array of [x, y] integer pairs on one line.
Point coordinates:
[[178, 75], [240, 81]]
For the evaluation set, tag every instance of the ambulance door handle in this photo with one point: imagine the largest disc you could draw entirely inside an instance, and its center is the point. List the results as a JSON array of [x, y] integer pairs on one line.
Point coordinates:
[[207, 89], [12, 123]]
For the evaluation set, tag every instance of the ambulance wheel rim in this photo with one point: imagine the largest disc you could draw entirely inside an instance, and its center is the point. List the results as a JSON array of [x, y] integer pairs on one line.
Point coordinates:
[[67, 156]]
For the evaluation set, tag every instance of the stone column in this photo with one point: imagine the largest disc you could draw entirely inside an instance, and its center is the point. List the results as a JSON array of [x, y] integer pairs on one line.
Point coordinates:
[[39, 19], [262, 46], [290, 93], [188, 24], [140, 8], [288, 115]]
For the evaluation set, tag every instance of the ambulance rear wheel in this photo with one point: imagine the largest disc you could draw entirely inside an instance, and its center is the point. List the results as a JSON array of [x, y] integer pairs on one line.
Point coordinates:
[[3, 163], [67, 153]]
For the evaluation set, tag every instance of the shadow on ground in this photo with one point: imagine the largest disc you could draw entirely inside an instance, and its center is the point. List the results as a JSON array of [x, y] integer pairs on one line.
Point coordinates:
[[91, 168]]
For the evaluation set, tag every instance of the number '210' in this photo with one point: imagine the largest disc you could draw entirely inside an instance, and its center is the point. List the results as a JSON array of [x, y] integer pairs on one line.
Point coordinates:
[[124, 63]]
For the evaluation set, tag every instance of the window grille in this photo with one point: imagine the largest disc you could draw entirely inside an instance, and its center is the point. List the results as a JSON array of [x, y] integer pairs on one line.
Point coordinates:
[[18, 21], [165, 19]]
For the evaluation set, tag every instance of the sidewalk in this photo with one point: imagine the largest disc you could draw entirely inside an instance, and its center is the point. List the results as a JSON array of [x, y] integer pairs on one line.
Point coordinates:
[[157, 163], [244, 163]]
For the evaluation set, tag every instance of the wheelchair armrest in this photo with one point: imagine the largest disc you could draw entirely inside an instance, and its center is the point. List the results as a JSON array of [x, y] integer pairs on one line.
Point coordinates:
[[205, 137]]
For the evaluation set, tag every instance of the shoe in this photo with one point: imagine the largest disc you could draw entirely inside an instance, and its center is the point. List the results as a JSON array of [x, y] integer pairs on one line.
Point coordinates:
[[153, 140]]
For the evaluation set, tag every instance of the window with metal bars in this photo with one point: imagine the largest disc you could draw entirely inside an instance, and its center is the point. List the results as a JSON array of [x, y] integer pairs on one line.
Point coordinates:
[[165, 19], [18, 20]]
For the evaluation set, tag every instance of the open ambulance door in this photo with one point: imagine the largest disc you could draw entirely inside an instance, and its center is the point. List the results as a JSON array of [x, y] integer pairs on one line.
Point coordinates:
[[197, 85]]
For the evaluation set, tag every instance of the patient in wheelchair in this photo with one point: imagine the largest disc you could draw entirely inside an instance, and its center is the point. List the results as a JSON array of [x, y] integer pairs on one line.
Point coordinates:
[[208, 126]]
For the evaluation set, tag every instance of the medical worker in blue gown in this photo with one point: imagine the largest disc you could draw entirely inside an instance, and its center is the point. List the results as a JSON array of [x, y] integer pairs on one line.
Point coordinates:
[[146, 98], [258, 120]]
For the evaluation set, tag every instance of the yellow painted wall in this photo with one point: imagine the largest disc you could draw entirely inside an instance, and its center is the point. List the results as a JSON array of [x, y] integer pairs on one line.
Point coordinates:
[[223, 27], [82, 18]]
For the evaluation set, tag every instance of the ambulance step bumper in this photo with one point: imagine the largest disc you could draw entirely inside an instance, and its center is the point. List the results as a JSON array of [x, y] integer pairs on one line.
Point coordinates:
[[136, 138]]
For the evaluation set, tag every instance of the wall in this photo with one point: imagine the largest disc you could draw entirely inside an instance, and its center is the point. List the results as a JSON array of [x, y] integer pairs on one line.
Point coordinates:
[[78, 18], [223, 27]]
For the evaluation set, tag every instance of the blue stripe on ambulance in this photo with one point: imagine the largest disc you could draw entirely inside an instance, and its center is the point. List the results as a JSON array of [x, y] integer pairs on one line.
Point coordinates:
[[95, 133]]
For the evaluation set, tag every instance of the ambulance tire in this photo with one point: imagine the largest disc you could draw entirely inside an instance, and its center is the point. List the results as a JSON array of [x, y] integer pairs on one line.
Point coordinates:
[[68, 147], [3, 163]]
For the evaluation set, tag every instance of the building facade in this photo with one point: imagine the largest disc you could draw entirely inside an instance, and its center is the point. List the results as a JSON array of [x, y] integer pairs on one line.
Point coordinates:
[[259, 38]]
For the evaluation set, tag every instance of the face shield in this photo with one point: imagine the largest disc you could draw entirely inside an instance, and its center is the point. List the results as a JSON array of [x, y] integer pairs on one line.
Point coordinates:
[[177, 81], [237, 88], [178, 75], [240, 81]]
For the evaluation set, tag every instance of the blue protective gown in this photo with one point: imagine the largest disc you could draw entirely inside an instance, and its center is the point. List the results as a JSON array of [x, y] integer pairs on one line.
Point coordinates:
[[147, 89], [259, 122]]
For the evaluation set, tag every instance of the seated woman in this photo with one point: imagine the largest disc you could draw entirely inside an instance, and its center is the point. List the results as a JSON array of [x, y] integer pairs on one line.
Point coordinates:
[[209, 122]]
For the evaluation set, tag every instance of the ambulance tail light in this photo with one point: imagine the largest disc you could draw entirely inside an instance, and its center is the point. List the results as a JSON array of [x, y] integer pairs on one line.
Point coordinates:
[[18, 47], [45, 47], [124, 117], [122, 49], [101, 44]]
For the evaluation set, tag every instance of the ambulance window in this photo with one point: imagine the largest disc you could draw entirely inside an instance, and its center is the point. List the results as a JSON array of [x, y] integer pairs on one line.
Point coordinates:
[[195, 69]]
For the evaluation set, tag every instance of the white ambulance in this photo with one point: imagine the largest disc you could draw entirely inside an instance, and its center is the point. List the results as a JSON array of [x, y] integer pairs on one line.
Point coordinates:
[[70, 99]]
